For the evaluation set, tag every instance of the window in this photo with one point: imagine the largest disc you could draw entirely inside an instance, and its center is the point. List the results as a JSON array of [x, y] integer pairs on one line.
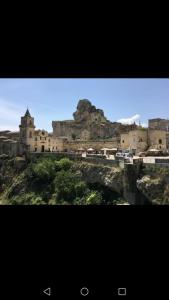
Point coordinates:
[[30, 123], [40, 137], [49, 140], [122, 141], [35, 149], [36, 139], [30, 134], [160, 141]]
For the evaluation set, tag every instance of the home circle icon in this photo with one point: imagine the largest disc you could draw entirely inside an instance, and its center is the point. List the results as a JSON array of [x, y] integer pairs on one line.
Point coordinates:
[[84, 291]]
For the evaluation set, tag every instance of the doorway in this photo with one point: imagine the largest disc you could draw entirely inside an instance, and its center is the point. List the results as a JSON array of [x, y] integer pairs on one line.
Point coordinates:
[[42, 148]]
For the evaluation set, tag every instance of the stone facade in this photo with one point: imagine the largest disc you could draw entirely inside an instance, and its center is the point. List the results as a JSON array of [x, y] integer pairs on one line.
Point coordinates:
[[157, 139], [158, 124], [37, 140], [143, 139], [8, 146], [96, 145], [136, 140]]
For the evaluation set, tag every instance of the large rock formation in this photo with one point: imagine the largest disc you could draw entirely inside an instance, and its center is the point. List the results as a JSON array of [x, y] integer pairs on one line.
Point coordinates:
[[86, 112], [89, 124]]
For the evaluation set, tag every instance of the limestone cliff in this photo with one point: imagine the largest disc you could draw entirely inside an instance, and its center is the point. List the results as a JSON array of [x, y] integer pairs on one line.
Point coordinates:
[[89, 123], [86, 112], [136, 184], [154, 184], [110, 177]]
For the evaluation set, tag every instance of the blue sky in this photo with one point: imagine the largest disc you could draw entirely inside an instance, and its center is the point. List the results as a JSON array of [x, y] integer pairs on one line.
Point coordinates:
[[56, 99]]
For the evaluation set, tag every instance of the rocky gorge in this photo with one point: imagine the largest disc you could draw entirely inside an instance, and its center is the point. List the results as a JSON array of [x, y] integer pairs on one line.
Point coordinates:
[[134, 184]]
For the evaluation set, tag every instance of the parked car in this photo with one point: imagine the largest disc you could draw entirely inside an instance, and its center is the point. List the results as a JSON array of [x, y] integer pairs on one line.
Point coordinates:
[[119, 155]]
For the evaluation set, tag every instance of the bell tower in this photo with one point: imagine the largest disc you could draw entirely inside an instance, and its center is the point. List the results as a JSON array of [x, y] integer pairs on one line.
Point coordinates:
[[27, 129]]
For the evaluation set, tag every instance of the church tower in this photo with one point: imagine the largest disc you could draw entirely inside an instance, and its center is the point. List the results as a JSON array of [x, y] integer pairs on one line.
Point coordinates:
[[27, 129]]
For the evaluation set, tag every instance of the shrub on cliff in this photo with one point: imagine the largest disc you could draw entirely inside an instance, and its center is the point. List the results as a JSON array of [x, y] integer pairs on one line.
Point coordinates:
[[63, 164], [64, 184], [27, 199], [44, 170], [94, 198]]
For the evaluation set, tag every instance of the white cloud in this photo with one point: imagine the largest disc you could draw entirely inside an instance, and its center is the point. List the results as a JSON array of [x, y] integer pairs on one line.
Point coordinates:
[[130, 120]]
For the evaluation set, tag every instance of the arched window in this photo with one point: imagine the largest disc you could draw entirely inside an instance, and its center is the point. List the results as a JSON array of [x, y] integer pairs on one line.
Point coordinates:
[[160, 141], [122, 141]]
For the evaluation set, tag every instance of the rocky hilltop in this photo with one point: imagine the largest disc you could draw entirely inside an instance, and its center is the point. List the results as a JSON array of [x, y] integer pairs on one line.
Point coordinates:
[[89, 123], [86, 112]]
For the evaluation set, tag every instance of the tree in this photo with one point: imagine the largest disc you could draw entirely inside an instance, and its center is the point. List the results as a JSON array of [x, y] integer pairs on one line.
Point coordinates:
[[63, 164], [64, 184], [44, 170]]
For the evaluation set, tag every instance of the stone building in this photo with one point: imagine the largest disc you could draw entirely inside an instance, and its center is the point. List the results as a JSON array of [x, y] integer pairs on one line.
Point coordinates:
[[143, 139], [158, 124], [32, 140], [157, 139], [8, 146], [135, 140]]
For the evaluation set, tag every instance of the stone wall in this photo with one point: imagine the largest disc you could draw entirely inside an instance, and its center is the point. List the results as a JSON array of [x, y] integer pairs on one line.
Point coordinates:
[[97, 145], [9, 147]]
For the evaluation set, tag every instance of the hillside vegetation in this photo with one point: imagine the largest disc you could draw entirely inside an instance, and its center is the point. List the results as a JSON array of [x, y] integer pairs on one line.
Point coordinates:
[[47, 180]]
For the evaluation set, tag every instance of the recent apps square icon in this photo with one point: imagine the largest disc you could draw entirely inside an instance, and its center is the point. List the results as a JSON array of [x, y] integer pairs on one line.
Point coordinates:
[[122, 291]]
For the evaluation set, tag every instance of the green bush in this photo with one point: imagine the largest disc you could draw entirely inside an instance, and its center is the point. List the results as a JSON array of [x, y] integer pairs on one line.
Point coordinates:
[[64, 184], [80, 189], [44, 170], [27, 199], [63, 164], [94, 198]]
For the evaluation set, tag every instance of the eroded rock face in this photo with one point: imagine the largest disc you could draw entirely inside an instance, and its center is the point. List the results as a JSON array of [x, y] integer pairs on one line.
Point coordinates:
[[152, 188], [89, 124], [86, 112], [106, 176]]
